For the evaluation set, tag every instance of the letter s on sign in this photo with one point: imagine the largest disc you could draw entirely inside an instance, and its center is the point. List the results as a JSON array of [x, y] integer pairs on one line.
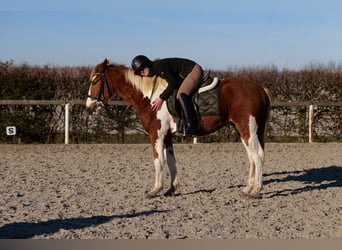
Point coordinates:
[[11, 130]]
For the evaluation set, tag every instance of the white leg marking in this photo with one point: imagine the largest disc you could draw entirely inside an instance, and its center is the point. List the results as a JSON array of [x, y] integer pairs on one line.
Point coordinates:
[[159, 162], [257, 154], [158, 184], [250, 181], [256, 157]]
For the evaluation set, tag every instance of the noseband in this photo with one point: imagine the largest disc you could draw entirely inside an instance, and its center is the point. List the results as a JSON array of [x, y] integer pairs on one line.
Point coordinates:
[[104, 83]]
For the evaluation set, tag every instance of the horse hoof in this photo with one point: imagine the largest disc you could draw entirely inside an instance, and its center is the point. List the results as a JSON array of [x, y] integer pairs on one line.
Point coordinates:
[[254, 196], [255, 192], [151, 195], [246, 191], [250, 195], [154, 192], [169, 193], [242, 193]]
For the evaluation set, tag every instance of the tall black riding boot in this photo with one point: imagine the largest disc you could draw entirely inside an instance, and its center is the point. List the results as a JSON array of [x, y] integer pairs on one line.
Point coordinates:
[[190, 117], [180, 127], [179, 123]]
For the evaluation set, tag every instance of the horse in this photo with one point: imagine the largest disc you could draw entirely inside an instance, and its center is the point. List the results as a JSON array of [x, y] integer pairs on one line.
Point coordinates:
[[242, 102]]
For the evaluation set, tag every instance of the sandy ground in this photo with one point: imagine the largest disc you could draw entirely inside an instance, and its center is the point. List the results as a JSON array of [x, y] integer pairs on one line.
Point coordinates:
[[98, 192]]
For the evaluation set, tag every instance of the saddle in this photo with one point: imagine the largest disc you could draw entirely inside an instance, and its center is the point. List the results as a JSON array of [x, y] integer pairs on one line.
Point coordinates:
[[205, 99]]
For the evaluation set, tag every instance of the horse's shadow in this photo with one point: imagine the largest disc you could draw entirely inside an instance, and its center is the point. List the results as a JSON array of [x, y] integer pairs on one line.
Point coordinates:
[[203, 191], [26, 230], [311, 179]]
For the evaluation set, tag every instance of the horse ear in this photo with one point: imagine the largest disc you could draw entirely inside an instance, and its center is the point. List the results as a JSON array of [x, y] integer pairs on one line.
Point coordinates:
[[105, 62]]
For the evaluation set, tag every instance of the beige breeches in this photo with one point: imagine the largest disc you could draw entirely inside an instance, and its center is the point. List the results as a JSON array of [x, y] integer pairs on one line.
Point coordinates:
[[191, 81]]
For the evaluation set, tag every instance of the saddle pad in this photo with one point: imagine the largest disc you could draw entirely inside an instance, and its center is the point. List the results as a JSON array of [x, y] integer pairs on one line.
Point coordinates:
[[207, 103]]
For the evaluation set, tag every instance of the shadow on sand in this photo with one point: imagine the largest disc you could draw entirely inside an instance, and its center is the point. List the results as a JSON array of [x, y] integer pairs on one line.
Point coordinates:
[[310, 179], [25, 230]]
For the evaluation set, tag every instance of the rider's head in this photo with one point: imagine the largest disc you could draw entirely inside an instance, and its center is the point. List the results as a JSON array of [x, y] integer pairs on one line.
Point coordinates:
[[139, 63]]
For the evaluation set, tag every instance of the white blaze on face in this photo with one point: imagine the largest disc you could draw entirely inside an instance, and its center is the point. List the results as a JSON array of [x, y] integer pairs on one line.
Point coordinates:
[[93, 78], [90, 102]]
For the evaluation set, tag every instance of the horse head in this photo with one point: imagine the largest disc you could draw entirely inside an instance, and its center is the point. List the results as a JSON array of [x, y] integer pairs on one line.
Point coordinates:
[[99, 91]]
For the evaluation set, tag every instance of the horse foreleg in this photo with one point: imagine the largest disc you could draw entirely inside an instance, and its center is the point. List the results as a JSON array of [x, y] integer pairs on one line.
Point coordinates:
[[158, 184], [159, 161], [171, 162]]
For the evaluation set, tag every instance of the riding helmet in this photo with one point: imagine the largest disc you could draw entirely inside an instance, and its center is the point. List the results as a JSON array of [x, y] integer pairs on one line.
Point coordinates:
[[139, 63]]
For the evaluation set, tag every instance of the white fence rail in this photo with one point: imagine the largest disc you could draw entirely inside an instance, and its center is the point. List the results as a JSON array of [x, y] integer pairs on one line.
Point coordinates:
[[67, 105]]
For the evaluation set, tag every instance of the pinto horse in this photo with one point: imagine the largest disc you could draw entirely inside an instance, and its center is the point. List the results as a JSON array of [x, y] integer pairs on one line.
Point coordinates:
[[242, 102]]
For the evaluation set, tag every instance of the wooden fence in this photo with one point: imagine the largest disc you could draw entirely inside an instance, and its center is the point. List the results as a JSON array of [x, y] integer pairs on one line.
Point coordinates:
[[67, 104]]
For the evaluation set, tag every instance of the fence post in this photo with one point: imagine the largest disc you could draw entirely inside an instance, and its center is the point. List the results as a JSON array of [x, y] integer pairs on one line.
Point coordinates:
[[67, 114], [311, 117], [195, 140]]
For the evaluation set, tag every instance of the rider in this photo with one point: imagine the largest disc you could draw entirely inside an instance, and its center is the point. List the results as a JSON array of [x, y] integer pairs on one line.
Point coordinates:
[[182, 74]]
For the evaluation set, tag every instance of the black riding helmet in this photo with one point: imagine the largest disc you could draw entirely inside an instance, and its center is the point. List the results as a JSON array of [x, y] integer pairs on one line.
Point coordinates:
[[139, 63]]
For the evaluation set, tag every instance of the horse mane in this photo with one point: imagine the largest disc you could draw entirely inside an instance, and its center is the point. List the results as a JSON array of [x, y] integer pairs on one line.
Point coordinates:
[[149, 86]]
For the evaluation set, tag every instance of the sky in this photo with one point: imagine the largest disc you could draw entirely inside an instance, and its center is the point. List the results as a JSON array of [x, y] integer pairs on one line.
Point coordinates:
[[217, 34]]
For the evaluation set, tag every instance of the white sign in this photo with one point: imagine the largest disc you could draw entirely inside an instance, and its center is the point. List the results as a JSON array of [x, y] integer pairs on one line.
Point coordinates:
[[11, 130]]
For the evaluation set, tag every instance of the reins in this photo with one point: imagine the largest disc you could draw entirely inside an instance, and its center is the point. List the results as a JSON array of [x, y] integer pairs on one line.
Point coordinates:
[[153, 89], [104, 84]]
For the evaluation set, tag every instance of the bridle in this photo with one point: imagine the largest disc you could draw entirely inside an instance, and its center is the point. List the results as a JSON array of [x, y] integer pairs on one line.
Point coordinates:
[[98, 98], [104, 83]]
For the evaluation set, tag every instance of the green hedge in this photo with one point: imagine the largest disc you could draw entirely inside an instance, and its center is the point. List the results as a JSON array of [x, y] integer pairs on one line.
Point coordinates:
[[43, 124]]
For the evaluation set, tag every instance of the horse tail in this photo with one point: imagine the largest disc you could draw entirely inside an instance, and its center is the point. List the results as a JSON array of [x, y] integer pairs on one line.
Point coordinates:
[[269, 101], [268, 93]]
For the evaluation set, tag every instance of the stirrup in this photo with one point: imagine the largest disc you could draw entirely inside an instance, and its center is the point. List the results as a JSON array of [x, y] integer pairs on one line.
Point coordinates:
[[191, 132], [180, 134], [180, 128], [187, 132]]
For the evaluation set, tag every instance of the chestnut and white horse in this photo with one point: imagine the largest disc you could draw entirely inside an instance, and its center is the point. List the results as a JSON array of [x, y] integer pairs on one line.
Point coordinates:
[[242, 102]]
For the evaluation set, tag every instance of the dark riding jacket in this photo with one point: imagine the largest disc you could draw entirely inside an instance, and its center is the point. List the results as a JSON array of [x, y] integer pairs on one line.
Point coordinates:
[[173, 70]]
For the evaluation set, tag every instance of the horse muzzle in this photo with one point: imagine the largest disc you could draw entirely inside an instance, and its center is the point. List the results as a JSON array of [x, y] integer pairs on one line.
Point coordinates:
[[93, 106]]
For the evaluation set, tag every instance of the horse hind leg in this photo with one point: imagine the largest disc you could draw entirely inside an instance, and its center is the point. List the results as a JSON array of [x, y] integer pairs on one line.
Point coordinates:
[[255, 154], [251, 176]]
